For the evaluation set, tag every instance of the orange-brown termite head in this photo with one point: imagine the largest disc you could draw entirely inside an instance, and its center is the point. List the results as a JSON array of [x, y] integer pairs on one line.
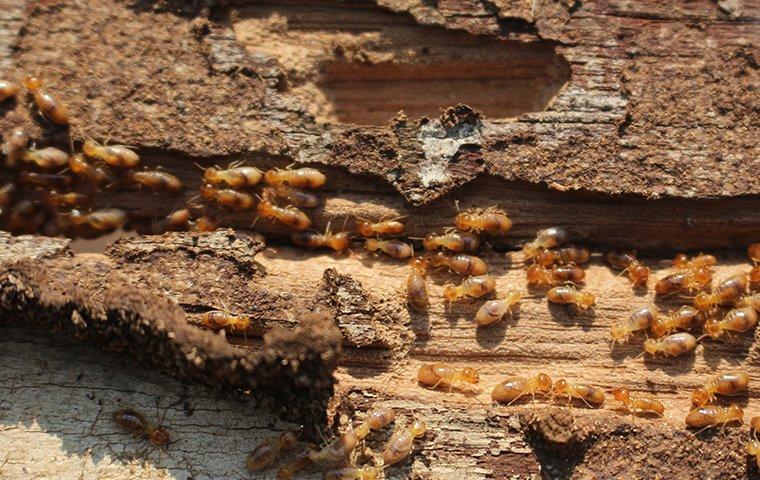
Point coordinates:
[[8, 90], [49, 105]]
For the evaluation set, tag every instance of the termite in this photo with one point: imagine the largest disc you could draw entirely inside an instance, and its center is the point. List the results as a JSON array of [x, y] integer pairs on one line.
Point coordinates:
[[49, 158], [753, 252], [401, 443], [434, 374], [683, 262], [264, 455], [416, 284], [46, 180], [376, 420], [135, 423], [685, 318], [218, 320], [471, 287], [366, 472], [296, 197], [313, 239], [49, 105], [100, 220], [495, 223], [227, 197], [547, 238], [460, 263], [711, 415], [737, 320], [8, 90], [300, 178], [454, 241], [729, 383], [156, 180], [15, 146], [513, 388], [541, 276], [638, 273], [591, 396], [750, 301], [569, 295], [638, 404], [92, 173], [754, 276], [493, 310], [206, 223], [566, 255], [387, 227], [640, 319], [233, 177], [726, 291], [290, 216], [684, 281], [753, 448], [175, 221], [117, 156], [393, 248], [672, 345], [66, 200]]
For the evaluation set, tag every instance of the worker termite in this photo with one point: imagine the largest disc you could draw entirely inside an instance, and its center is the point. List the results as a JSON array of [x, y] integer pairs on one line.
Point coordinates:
[[175, 221], [15, 146], [156, 180], [541, 276], [753, 448], [313, 239], [233, 177], [683, 262], [493, 310], [434, 374], [264, 455], [393, 248], [49, 158], [227, 197], [92, 173], [206, 223], [684, 281], [135, 423], [49, 105], [296, 197], [566, 255], [290, 216], [640, 319], [416, 284], [460, 263], [546, 238], [472, 287], [117, 156], [750, 301], [100, 220], [672, 345], [638, 404], [46, 180], [454, 241], [56, 199], [729, 383], [366, 472], [569, 295], [638, 273], [591, 396], [300, 178], [685, 318], [753, 252], [8, 90], [737, 320], [218, 320], [376, 420], [754, 424], [495, 223], [711, 415], [387, 227], [726, 291], [401, 443], [513, 388]]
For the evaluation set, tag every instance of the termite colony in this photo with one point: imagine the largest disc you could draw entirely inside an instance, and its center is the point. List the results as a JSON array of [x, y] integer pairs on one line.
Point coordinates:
[[338, 459]]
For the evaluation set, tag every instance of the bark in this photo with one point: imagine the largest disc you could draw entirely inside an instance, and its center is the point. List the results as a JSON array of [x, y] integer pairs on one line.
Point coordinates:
[[630, 123]]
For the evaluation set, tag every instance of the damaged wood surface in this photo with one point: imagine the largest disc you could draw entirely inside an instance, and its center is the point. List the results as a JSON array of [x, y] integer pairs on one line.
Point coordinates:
[[631, 123]]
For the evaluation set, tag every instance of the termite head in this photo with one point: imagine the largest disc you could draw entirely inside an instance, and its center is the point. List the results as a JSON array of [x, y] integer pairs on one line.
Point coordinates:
[[419, 265], [364, 228], [702, 276], [512, 297], [638, 273], [735, 412], [544, 257], [159, 436], [338, 241], [560, 387], [621, 393], [753, 447], [586, 300], [681, 260], [619, 331], [32, 83], [701, 397], [704, 301], [535, 273], [90, 147], [372, 244], [651, 346], [450, 292], [754, 274], [712, 328], [543, 382], [429, 242], [470, 375], [463, 221], [418, 428], [265, 208]]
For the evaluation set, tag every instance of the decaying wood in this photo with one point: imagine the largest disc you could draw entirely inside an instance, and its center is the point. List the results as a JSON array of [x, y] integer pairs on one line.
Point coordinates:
[[635, 128]]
